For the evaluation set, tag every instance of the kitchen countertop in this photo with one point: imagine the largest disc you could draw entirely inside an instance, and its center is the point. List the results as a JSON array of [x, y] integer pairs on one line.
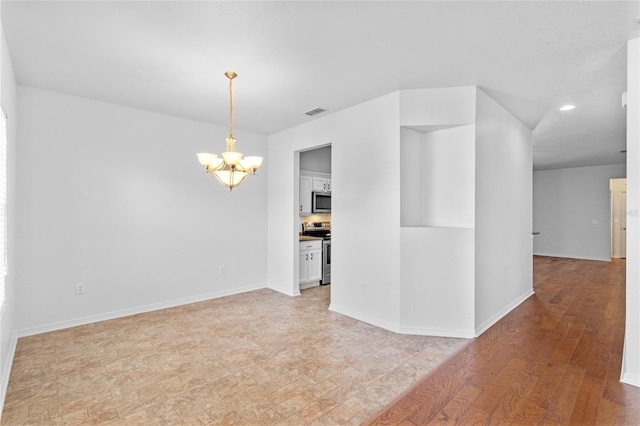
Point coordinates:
[[307, 238]]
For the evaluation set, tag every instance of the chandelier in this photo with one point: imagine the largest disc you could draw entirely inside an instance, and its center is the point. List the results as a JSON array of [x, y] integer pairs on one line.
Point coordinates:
[[231, 169]]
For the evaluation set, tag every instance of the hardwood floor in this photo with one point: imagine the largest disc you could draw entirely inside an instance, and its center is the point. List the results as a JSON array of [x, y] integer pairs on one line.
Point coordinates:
[[555, 359]]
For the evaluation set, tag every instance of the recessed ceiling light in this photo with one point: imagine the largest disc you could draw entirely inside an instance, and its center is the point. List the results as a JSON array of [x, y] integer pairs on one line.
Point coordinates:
[[567, 108]]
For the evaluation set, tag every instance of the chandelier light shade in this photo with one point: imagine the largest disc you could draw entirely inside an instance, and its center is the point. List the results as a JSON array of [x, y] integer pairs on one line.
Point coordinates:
[[231, 169]]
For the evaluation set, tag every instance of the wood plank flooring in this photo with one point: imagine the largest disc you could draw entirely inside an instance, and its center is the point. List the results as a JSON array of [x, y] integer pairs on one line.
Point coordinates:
[[555, 359]]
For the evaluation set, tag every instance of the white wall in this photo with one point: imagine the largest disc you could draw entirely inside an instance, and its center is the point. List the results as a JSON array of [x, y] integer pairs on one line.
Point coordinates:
[[8, 98], [571, 211], [422, 109], [631, 361], [362, 198], [618, 187], [316, 160], [114, 197], [448, 192], [282, 214], [410, 178], [437, 276], [503, 251], [466, 261], [437, 239], [427, 273]]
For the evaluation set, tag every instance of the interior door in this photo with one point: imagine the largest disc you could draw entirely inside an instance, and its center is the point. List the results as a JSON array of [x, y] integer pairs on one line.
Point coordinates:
[[623, 225], [618, 218]]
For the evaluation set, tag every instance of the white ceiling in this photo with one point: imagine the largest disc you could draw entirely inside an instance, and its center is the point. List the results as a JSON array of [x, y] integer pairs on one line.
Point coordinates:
[[170, 57]]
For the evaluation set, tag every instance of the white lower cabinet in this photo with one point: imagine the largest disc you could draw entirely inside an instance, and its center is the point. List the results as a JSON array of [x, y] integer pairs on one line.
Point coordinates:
[[310, 260]]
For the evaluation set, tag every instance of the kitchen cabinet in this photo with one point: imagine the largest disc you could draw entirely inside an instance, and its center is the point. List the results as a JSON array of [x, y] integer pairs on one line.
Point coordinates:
[[321, 184], [311, 182], [305, 195], [310, 261]]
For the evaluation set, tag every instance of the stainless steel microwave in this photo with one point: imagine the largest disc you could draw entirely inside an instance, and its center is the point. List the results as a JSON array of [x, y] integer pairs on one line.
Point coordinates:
[[321, 202]]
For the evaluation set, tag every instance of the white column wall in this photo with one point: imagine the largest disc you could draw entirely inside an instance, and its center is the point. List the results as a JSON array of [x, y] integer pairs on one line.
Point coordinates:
[[365, 215], [113, 197], [282, 210], [366, 195], [503, 202], [398, 280], [631, 361], [437, 276], [436, 247], [8, 98]]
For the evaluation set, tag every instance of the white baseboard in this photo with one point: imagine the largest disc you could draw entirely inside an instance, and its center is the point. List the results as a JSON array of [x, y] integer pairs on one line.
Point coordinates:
[[440, 332], [497, 317], [309, 285], [30, 331], [630, 379], [364, 317], [285, 291], [420, 331], [6, 372], [565, 256]]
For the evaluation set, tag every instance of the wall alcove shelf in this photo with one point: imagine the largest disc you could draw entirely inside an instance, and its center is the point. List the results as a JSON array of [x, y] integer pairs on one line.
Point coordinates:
[[450, 140], [437, 180]]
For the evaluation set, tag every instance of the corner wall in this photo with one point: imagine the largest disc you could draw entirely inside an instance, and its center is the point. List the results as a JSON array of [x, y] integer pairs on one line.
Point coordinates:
[[8, 98], [363, 198], [437, 209], [571, 211], [504, 270], [114, 197], [631, 359], [466, 256], [416, 276]]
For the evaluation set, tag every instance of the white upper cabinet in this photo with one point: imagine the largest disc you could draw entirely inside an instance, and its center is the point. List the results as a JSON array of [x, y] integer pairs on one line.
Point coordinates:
[[311, 182], [305, 195], [321, 184]]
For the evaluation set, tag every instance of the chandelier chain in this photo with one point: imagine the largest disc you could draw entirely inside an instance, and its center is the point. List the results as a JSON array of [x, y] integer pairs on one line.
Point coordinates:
[[231, 107]]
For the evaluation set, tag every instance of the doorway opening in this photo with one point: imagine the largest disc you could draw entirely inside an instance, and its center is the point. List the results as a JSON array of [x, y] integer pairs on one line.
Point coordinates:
[[314, 220], [618, 218]]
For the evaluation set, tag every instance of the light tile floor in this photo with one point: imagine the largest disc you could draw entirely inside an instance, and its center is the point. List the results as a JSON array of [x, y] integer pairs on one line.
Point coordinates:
[[258, 358]]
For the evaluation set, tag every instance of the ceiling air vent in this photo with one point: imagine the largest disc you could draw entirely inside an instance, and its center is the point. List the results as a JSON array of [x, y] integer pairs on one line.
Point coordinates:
[[315, 111]]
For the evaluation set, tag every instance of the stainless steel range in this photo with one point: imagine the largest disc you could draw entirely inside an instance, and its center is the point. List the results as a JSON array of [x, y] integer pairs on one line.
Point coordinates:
[[323, 230]]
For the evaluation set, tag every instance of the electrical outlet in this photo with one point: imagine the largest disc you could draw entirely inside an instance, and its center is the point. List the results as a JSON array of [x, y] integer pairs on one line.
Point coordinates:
[[221, 269], [363, 286], [637, 21], [80, 288]]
